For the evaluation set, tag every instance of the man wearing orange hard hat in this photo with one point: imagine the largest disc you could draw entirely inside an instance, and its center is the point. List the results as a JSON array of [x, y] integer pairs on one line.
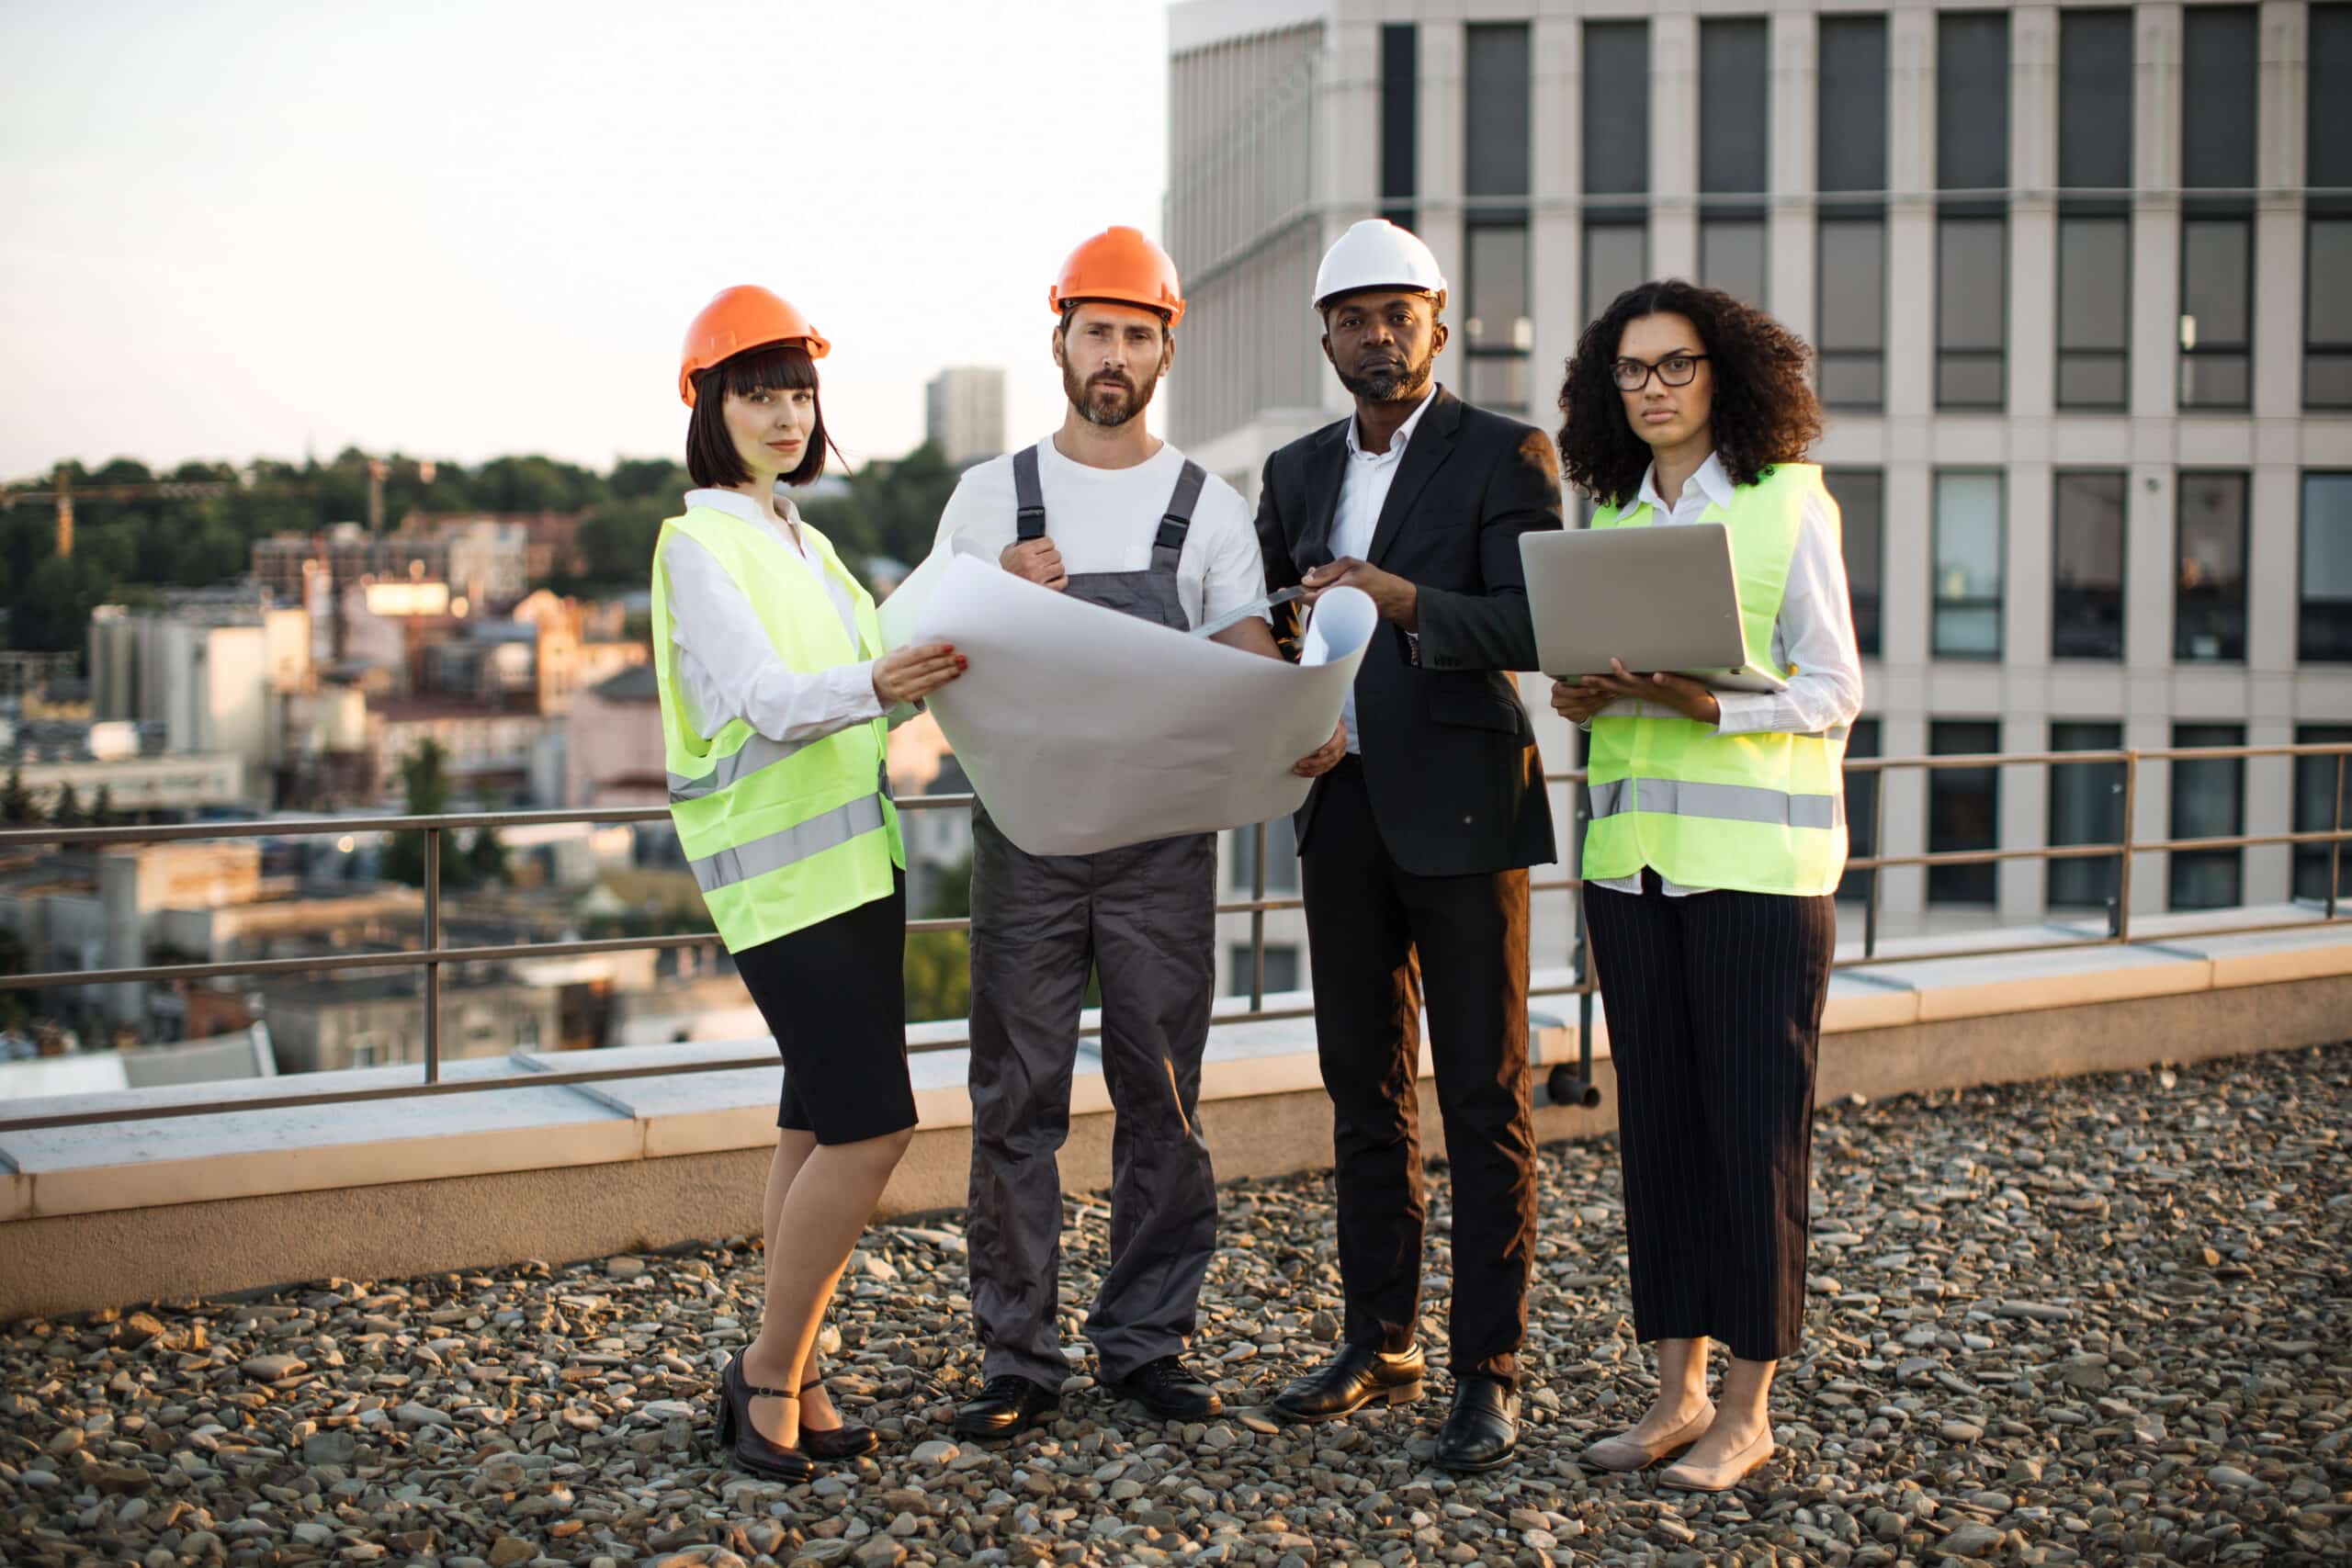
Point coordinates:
[[1106, 512]]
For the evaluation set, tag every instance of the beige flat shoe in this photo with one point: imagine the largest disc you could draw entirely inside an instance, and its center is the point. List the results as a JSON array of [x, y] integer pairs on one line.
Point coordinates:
[[1689, 1477], [1617, 1453]]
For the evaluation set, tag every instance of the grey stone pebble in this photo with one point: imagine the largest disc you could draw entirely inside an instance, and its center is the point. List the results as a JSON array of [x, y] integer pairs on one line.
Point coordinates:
[[2090, 1322]]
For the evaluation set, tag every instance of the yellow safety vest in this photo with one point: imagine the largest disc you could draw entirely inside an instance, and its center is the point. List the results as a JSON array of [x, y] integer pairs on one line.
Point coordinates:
[[781, 834], [1754, 813]]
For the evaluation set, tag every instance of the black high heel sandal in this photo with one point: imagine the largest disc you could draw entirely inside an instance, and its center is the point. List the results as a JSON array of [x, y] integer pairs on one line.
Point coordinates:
[[834, 1443], [744, 1442]]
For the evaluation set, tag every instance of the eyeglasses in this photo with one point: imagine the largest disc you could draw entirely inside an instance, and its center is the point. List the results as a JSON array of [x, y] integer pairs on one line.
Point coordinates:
[[1674, 370]]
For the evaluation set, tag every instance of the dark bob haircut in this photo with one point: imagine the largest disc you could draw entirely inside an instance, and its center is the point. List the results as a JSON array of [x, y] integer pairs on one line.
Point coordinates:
[[1765, 411], [711, 460]]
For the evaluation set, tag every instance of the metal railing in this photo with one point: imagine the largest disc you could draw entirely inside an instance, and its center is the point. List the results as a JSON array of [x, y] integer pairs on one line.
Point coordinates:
[[432, 956]]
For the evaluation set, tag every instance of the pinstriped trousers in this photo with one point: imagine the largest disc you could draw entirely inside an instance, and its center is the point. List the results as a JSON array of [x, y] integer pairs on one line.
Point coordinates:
[[1713, 1001]]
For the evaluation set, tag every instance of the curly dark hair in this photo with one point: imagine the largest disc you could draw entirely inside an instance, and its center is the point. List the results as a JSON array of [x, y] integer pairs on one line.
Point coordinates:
[[1765, 411]]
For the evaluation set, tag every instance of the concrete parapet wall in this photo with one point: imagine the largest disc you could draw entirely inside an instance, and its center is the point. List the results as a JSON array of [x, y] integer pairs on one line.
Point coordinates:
[[114, 1214]]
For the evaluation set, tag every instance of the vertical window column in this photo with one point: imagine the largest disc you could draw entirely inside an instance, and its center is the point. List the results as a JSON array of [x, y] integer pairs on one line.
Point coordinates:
[[1400, 141], [1971, 549], [1860, 494], [2318, 809], [2327, 232], [1861, 807], [1849, 157], [2094, 230], [2085, 807], [1963, 810], [2324, 573], [2208, 801], [1497, 318], [1615, 112], [1972, 225], [2087, 579], [2219, 80], [1734, 138], [2208, 596]]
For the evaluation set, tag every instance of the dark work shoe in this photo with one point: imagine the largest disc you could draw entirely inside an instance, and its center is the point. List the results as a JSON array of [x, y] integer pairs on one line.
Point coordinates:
[[1483, 1431], [1004, 1407], [1351, 1379], [1170, 1390]]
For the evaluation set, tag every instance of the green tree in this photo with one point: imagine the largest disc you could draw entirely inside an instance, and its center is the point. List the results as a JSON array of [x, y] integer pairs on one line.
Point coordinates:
[[16, 1006], [617, 539], [51, 612], [16, 804], [938, 964], [67, 812], [102, 812], [647, 478], [485, 857], [424, 778]]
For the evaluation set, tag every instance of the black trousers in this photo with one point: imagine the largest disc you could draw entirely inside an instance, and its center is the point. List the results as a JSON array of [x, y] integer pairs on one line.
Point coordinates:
[[1380, 939], [1714, 1022]]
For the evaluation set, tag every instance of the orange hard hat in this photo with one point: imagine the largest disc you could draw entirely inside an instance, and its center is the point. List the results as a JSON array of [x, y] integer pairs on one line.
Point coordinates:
[[741, 318], [1119, 264]]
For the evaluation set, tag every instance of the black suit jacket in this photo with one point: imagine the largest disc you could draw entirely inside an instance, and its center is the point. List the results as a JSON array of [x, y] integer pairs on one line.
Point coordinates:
[[1449, 755]]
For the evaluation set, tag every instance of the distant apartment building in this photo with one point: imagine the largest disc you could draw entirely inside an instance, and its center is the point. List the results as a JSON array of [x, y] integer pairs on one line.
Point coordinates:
[[128, 763], [963, 413], [214, 668], [2079, 281], [23, 674], [492, 753], [347, 553], [372, 1018], [612, 743]]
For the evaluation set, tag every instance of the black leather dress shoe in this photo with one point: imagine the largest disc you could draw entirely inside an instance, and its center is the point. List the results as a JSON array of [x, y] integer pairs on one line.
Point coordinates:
[[835, 1443], [1351, 1379], [1004, 1407], [742, 1441], [1170, 1390], [1483, 1431]]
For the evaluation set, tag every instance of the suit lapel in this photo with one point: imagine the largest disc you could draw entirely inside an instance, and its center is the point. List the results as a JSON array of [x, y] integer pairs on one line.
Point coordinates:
[[1326, 468], [1431, 445]]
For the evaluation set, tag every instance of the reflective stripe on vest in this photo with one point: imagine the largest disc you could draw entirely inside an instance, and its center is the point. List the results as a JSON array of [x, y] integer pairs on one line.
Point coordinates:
[[1732, 803], [794, 845], [755, 753]]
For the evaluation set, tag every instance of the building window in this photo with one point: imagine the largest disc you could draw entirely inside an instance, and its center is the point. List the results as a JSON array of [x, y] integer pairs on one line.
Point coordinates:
[[2319, 808], [1970, 549], [1972, 102], [1851, 279], [1850, 156], [2327, 233], [1616, 257], [2085, 807], [1862, 808], [2323, 625], [1971, 312], [2209, 600], [2086, 577], [2217, 310], [1282, 857], [1860, 494], [2208, 801], [1497, 316], [1616, 129], [1282, 968], [1734, 135], [1963, 810], [2219, 76], [2094, 233], [1399, 121]]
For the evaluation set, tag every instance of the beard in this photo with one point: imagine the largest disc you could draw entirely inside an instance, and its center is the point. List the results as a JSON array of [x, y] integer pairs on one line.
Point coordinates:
[[1109, 401], [1390, 383]]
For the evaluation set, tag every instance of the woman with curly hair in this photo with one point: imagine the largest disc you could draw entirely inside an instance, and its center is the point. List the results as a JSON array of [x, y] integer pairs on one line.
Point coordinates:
[[1717, 838]]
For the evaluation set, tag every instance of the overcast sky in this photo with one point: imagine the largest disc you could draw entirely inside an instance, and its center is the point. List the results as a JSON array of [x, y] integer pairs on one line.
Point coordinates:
[[245, 229]]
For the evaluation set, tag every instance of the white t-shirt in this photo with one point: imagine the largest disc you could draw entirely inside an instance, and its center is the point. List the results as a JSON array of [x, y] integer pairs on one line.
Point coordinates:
[[1104, 519]]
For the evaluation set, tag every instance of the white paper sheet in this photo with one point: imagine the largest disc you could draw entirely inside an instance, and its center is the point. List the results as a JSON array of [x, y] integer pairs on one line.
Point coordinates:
[[1083, 729]]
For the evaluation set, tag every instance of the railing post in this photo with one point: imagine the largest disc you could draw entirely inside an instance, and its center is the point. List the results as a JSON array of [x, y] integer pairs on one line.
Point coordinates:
[[2131, 831], [432, 944], [1258, 924], [2336, 845], [1878, 837]]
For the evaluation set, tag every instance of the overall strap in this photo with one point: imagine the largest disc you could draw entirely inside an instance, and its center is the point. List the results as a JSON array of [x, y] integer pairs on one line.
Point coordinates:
[[1028, 495], [1168, 545]]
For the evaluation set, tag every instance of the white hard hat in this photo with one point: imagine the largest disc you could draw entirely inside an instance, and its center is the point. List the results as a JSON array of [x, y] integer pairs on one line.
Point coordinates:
[[1375, 254]]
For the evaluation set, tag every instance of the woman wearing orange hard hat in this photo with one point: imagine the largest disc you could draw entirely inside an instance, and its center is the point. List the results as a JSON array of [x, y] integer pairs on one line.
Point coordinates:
[[776, 701]]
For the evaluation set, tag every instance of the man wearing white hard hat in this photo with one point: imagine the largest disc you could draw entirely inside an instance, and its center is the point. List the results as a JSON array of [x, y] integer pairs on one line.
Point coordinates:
[[1415, 847]]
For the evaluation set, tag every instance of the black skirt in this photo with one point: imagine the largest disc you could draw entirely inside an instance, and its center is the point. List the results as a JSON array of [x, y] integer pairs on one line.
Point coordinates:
[[835, 995]]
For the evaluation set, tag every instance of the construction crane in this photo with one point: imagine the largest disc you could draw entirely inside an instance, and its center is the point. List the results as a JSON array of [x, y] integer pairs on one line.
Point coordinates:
[[62, 493]]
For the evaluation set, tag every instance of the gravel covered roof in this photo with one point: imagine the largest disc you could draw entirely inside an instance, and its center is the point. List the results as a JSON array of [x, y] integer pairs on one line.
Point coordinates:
[[2101, 1321]]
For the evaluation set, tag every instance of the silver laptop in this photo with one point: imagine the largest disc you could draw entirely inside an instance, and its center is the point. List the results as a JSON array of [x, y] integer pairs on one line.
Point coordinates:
[[1657, 598]]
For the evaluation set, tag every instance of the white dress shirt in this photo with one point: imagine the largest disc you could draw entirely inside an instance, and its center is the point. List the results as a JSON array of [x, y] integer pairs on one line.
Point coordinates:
[[1815, 631], [1364, 484], [726, 662]]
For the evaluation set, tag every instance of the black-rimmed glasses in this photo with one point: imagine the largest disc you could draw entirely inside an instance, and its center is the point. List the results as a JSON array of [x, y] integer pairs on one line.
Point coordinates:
[[1674, 370]]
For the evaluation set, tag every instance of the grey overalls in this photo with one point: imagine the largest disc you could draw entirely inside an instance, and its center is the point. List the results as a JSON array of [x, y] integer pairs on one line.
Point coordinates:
[[1145, 916]]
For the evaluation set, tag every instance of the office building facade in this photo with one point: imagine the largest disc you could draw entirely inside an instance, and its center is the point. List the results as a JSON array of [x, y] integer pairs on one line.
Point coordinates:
[[2079, 279], [963, 413]]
